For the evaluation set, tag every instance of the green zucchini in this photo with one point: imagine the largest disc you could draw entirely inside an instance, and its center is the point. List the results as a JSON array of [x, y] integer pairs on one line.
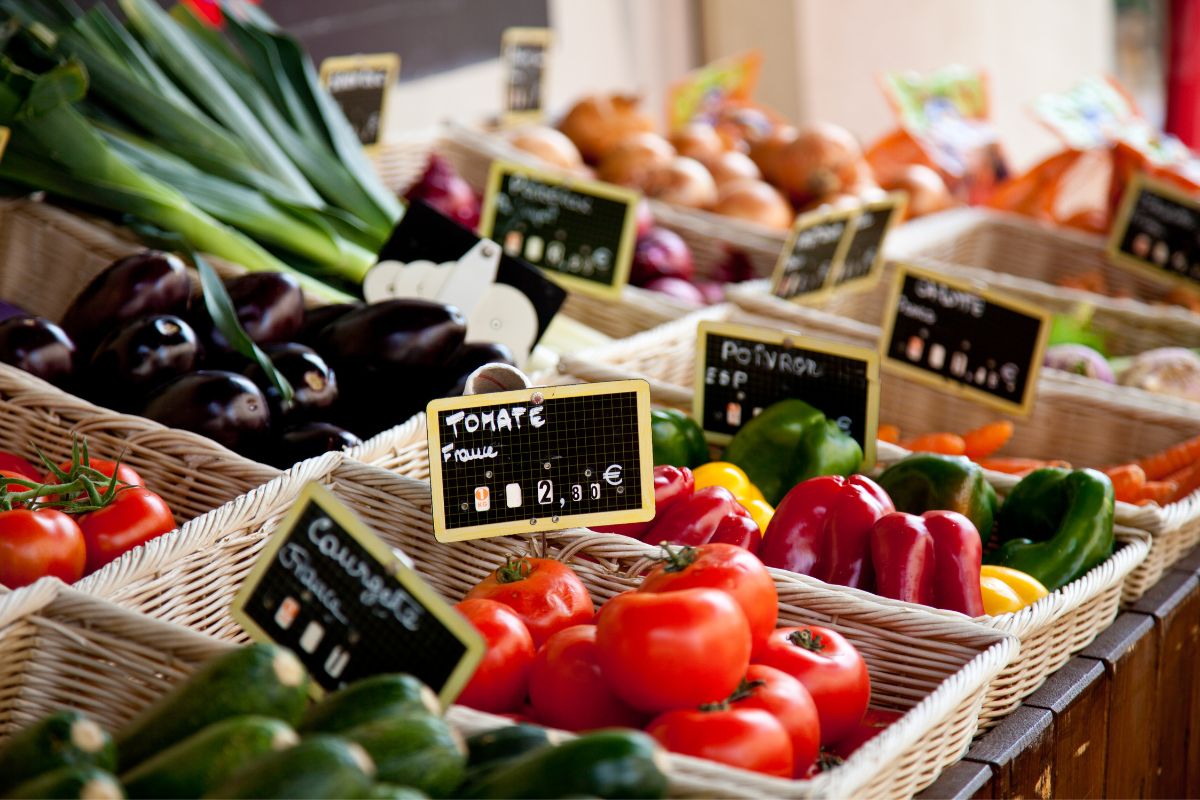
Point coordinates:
[[506, 743], [206, 759], [609, 763], [259, 679], [390, 694], [421, 751], [74, 782], [64, 738], [319, 767], [390, 791]]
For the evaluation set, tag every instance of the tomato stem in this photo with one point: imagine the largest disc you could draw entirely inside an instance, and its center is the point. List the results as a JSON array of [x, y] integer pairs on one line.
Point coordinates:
[[807, 639], [513, 570], [827, 760], [677, 560], [80, 480]]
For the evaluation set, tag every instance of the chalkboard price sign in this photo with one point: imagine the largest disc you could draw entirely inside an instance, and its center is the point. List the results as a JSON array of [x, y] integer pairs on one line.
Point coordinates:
[[329, 589], [814, 252], [1158, 231], [961, 338], [525, 53], [360, 85], [740, 370], [869, 229], [580, 232], [540, 459]]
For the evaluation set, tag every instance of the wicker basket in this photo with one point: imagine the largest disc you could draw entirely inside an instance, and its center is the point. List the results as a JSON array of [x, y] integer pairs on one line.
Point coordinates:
[[190, 577]]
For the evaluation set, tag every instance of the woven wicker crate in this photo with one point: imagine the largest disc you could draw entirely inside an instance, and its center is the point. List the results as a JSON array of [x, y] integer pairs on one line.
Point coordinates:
[[1063, 426], [190, 577]]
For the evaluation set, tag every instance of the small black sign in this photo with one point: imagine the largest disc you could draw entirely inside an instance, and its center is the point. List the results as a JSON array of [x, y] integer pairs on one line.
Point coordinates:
[[952, 335], [740, 370], [330, 590], [581, 232], [360, 85], [1158, 230], [814, 251], [541, 459], [525, 53], [864, 255]]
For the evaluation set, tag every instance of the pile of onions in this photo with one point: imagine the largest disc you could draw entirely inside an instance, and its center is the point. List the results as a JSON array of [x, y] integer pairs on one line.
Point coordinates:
[[927, 192], [822, 160], [732, 166], [684, 182], [598, 122], [698, 140], [633, 160], [766, 152], [550, 146], [755, 201]]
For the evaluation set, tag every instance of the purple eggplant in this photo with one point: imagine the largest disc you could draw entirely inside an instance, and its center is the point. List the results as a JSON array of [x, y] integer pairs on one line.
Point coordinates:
[[315, 319], [308, 440], [38, 346], [314, 386], [140, 356], [226, 407], [270, 306]]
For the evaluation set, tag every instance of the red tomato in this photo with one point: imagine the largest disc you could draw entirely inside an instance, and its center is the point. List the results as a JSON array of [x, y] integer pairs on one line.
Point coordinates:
[[500, 681], [14, 463], [747, 738], [786, 699], [134, 517], [874, 723], [567, 690], [829, 667], [726, 567], [34, 544], [660, 651], [546, 594]]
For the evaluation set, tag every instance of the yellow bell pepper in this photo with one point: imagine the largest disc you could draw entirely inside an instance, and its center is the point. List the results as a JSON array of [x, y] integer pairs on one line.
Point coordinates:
[[1006, 590], [731, 477]]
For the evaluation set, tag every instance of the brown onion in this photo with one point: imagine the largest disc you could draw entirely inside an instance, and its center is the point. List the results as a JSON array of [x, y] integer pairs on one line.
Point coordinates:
[[698, 140], [685, 182], [634, 159], [550, 146], [927, 192], [732, 166], [822, 160], [598, 122], [755, 201], [766, 152]]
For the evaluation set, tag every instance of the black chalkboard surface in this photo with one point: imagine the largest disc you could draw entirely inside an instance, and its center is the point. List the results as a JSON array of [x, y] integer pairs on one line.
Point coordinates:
[[541, 459], [814, 252], [958, 337], [330, 590], [580, 232], [360, 85], [864, 254], [525, 52], [1158, 230], [741, 370]]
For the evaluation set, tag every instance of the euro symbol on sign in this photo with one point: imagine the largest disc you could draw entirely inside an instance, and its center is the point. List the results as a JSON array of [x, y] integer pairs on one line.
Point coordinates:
[[613, 475]]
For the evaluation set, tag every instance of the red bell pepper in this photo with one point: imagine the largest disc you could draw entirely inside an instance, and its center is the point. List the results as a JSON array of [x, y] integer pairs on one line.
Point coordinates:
[[695, 520], [933, 559], [671, 484], [823, 528], [740, 530]]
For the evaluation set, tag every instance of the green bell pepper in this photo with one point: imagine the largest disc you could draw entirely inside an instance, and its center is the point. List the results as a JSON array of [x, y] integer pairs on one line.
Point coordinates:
[[930, 482], [790, 442], [678, 439], [1065, 521]]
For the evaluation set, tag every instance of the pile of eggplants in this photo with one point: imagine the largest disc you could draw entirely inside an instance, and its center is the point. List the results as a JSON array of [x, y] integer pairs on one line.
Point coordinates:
[[139, 340]]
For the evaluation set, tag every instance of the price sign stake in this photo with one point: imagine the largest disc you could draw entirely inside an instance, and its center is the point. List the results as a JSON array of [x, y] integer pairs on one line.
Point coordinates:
[[526, 55], [958, 337], [541, 459], [814, 252], [361, 84], [580, 232], [741, 370], [1158, 231], [329, 589]]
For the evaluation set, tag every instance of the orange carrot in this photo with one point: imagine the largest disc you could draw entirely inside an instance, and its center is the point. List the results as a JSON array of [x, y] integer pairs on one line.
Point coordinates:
[[1018, 466], [1164, 462], [1159, 492], [947, 444], [1127, 480], [888, 433], [983, 442], [1187, 479]]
